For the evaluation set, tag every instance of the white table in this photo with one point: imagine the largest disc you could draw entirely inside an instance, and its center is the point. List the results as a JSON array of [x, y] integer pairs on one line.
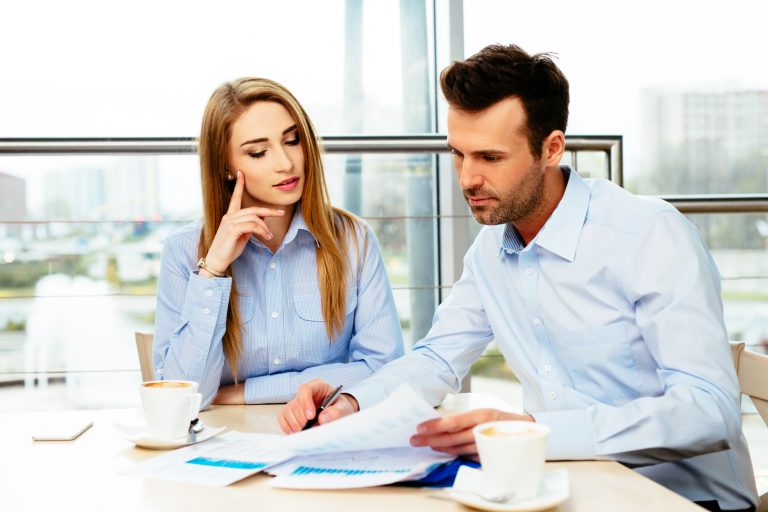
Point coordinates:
[[81, 475]]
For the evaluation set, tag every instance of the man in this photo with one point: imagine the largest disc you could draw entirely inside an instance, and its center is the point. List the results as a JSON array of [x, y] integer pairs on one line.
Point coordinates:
[[606, 305]]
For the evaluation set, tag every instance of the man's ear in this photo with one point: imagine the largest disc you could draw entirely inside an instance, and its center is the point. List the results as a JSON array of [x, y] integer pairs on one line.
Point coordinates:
[[553, 148]]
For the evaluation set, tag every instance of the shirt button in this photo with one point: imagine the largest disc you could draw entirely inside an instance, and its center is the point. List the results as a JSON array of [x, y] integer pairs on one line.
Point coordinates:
[[209, 293], [547, 368], [536, 321], [276, 360], [206, 311], [272, 265], [274, 314], [529, 271], [553, 396]]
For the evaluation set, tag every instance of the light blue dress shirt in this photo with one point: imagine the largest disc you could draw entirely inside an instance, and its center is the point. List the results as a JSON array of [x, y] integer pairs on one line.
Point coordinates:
[[284, 338], [611, 318]]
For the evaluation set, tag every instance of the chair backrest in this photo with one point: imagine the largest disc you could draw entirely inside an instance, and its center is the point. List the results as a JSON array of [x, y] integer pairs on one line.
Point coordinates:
[[752, 369], [144, 347]]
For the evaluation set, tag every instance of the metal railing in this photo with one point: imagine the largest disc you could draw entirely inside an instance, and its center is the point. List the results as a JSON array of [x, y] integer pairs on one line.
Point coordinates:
[[420, 143], [611, 145]]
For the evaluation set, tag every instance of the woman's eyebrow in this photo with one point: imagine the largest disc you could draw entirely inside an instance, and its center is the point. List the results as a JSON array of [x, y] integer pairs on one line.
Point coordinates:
[[264, 139]]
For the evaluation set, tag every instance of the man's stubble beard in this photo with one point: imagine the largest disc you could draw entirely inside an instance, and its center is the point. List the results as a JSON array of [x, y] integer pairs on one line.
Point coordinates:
[[516, 204]]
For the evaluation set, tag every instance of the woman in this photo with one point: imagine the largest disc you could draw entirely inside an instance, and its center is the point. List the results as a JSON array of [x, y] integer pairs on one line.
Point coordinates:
[[276, 287]]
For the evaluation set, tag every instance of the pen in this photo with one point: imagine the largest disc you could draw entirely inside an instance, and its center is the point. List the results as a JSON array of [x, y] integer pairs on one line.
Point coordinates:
[[326, 403]]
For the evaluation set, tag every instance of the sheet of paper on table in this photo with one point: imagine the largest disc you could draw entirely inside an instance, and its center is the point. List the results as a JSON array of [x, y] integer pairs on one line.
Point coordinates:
[[216, 462], [364, 468], [368, 448]]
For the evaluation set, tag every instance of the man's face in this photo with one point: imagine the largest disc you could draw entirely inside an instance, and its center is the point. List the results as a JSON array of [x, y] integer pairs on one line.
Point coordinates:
[[500, 178]]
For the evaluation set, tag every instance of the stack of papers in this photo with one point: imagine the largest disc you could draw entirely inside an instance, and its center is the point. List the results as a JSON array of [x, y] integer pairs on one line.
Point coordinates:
[[365, 449]]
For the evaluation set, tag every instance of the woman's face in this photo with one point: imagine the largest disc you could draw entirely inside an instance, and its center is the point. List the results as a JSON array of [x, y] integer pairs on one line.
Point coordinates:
[[266, 147]]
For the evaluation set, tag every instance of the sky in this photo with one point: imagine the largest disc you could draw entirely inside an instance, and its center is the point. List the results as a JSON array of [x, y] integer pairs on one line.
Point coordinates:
[[146, 68]]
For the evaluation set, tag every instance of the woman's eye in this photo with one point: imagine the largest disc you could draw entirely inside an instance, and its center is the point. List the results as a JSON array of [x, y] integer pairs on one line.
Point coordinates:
[[294, 141], [257, 154]]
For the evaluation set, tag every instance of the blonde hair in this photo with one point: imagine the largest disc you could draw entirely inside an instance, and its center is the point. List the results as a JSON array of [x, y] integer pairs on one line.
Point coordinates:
[[330, 226]]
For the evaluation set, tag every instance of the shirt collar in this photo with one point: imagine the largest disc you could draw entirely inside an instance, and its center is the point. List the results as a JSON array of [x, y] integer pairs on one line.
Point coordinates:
[[560, 234], [298, 224]]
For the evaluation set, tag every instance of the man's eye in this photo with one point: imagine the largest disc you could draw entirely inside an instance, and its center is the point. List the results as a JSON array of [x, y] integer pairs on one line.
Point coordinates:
[[490, 158]]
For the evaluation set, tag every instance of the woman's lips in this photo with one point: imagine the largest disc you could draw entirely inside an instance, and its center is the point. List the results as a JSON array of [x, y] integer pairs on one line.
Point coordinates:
[[287, 185]]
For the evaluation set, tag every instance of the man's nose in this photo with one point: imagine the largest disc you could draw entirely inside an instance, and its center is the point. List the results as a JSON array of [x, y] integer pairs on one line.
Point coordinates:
[[468, 177]]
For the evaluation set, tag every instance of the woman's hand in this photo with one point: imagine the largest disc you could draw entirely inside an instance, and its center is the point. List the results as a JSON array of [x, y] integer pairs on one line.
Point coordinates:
[[236, 228]]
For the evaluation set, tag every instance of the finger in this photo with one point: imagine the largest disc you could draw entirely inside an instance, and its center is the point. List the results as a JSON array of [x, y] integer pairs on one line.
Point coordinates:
[[247, 225], [305, 401], [341, 408], [444, 440], [263, 212], [457, 422], [288, 415], [468, 450], [293, 421], [237, 193], [283, 424], [308, 397]]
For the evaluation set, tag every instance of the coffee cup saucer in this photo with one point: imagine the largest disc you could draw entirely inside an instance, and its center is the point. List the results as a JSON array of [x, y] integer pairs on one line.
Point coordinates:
[[138, 435], [553, 490]]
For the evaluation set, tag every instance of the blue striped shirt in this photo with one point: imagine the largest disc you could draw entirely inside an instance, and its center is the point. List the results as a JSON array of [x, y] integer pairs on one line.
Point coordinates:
[[611, 318], [284, 338]]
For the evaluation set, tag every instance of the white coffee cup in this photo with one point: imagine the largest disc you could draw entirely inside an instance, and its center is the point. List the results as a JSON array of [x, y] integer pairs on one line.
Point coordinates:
[[512, 455], [169, 407]]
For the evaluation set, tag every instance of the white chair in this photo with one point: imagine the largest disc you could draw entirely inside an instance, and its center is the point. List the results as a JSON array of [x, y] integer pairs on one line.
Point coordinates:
[[752, 370], [144, 347]]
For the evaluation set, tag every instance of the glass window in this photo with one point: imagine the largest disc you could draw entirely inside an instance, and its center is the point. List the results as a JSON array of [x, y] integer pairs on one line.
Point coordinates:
[[688, 98], [146, 69]]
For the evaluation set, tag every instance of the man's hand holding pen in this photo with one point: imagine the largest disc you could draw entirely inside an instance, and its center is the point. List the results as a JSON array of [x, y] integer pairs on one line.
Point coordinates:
[[303, 408]]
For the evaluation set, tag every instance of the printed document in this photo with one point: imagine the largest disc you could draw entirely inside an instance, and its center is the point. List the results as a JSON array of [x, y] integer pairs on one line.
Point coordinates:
[[371, 447], [356, 469]]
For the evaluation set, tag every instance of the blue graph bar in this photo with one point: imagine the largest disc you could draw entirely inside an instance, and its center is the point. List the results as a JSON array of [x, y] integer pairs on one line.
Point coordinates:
[[227, 463], [309, 470]]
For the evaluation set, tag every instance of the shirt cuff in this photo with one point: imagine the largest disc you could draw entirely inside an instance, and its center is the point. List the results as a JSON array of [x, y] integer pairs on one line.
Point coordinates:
[[571, 437], [206, 301], [269, 389], [366, 394]]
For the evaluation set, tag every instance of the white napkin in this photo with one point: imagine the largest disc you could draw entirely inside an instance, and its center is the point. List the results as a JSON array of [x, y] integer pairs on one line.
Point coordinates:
[[477, 482]]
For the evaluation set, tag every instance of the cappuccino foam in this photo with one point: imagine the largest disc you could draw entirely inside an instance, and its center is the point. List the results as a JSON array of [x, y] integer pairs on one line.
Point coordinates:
[[167, 384]]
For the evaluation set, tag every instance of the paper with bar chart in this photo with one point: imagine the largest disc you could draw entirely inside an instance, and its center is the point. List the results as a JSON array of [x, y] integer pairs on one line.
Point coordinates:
[[217, 462], [356, 469], [371, 447]]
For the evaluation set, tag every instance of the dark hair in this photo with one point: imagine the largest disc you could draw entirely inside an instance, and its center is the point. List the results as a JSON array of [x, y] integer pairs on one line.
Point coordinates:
[[498, 72]]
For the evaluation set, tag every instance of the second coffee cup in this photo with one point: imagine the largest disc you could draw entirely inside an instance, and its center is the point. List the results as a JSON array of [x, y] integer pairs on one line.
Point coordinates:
[[512, 455]]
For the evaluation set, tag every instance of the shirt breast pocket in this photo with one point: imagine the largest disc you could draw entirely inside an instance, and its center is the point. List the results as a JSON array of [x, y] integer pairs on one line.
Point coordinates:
[[246, 308], [600, 362], [312, 344]]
